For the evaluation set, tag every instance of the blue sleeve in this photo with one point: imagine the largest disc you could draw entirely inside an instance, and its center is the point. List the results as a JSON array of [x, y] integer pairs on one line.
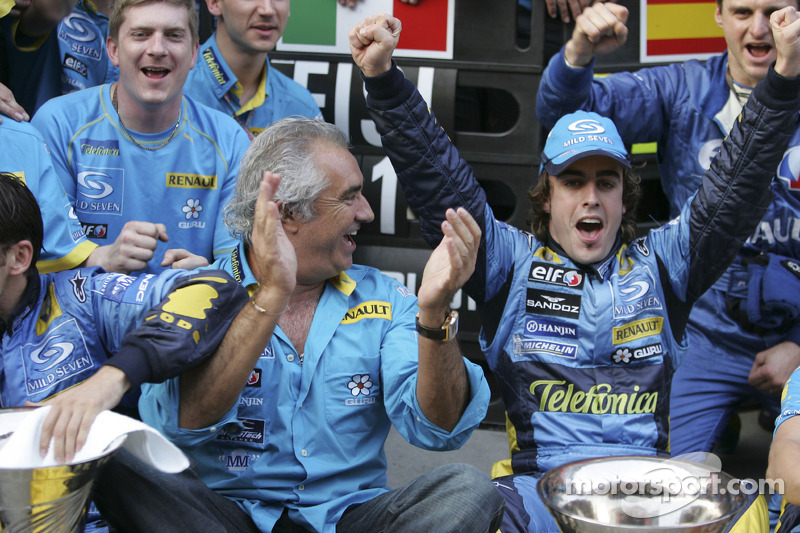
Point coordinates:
[[224, 243], [736, 192], [399, 380], [49, 121], [790, 399], [157, 326], [26, 156], [640, 103]]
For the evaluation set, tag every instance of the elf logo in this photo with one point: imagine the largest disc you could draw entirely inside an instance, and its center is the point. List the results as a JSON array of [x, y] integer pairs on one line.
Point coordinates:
[[563, 277]]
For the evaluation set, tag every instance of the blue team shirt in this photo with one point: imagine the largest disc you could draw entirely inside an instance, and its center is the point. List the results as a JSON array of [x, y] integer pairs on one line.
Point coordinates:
[[307, 433], [213, 83], [25, 155], [110, 181]]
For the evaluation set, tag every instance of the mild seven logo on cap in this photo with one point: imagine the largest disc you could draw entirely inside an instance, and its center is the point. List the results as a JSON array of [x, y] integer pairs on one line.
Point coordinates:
[[587, 130]]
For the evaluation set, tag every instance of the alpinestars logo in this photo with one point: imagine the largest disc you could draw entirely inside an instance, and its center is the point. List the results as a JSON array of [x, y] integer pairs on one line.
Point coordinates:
[[78, 286]]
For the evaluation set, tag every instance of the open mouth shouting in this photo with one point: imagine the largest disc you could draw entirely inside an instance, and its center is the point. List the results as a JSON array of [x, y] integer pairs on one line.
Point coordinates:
[[589, 228]]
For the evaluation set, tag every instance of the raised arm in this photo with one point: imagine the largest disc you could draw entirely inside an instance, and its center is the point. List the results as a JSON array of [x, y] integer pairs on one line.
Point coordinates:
[[736, 189], [442, 385], [208, 391]]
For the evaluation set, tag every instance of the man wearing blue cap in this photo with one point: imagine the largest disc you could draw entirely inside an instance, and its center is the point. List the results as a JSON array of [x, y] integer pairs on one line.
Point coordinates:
[[582, 323]]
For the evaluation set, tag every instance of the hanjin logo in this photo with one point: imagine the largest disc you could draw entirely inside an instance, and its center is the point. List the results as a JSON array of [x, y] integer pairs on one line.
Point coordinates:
[[545, 328], [546, 273]]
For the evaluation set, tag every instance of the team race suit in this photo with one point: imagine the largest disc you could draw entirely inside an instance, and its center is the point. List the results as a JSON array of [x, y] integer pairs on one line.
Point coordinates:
[[583, 354], [687, 109]]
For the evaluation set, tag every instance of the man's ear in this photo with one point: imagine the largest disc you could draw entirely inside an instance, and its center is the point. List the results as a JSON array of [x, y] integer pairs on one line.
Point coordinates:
[[290, 223], [718, 16], [21, 255], [111, 49], [214, 7]]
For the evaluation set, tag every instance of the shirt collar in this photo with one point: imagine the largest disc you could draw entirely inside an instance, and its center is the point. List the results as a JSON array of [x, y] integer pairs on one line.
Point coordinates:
[[30, 296]]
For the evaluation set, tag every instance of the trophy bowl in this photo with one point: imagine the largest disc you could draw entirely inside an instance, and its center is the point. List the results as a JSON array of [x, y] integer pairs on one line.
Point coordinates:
[[641, 493], [52, 498]]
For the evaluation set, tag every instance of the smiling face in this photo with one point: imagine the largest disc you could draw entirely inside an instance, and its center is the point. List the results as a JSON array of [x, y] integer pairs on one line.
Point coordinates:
[[249, 27], [586, 208], [748, 36], [324, 244], [154, 51]]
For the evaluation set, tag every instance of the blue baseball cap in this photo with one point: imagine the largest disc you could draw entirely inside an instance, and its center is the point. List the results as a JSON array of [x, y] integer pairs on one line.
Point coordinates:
[[580, 135]]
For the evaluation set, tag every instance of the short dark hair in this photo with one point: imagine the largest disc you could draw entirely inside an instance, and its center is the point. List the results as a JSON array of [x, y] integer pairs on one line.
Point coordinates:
[[121, 6], [540, 192], [22, 219]]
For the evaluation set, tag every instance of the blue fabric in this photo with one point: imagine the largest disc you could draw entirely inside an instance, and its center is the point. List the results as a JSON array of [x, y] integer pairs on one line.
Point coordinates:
[[110, 181], [299, 437], [583, 355], [70, 323], [685, 109], [443, 500], [25, 155], [212, 81], [581, 134], [70, 58]]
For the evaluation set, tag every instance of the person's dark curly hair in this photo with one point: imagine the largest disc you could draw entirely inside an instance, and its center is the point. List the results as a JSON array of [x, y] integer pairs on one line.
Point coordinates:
[[540, 192], [22, 219]]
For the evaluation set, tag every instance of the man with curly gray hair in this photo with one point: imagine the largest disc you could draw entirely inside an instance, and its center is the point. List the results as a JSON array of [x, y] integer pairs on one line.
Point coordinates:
[[290, 424]]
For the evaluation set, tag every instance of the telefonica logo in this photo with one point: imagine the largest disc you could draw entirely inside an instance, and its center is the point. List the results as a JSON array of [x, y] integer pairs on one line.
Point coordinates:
[[598, 400]]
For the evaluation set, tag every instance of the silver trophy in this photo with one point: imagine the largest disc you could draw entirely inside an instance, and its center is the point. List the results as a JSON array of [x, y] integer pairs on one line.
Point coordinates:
[[639, 493], [49, 499]]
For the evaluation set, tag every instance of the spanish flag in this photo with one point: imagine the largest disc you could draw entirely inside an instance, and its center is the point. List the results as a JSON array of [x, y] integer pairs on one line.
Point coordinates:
[[680, 29]]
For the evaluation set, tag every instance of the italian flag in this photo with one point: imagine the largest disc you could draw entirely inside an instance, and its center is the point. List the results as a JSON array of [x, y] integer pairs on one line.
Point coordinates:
[[322, 26]]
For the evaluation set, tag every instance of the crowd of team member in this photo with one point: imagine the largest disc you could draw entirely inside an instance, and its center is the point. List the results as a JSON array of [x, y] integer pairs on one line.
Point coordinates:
[[165, 225]]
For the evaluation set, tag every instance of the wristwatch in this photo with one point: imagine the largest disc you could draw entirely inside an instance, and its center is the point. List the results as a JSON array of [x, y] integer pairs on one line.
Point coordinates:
[[445, 333]]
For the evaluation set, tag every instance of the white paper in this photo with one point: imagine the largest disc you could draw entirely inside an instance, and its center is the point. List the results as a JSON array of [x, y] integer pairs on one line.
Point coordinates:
[[109, 430]]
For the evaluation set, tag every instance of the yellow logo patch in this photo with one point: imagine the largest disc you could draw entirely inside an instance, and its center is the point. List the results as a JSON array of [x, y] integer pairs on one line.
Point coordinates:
[[637, 330], [372, 309], [191, 181], [49, 312]]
